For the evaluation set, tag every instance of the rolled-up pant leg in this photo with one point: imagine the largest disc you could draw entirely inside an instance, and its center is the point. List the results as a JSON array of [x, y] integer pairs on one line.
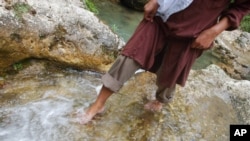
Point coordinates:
[[164, 94], [122, 69]]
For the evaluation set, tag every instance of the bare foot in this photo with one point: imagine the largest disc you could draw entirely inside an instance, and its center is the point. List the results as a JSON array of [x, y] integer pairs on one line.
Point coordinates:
[[154, 106], [90, 113]]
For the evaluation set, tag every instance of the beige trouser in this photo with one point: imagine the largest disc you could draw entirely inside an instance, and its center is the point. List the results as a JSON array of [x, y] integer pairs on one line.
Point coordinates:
[[122, 69]]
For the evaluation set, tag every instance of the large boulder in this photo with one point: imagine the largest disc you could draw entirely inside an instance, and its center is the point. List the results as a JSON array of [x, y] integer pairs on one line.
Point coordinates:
[[233, 50], [57, 30]]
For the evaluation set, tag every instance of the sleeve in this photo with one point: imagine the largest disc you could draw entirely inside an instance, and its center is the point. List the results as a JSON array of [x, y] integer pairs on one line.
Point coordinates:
[[236, 12], [164, 5], [169, 7]]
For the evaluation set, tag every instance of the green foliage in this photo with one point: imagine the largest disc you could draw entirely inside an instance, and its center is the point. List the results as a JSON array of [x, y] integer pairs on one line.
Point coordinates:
[[17, 66], [115, 28], [245, 24], [20, 9], [91, 6]]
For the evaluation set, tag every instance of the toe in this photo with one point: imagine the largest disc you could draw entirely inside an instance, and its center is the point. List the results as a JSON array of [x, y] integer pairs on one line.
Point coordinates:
[[154, 106]]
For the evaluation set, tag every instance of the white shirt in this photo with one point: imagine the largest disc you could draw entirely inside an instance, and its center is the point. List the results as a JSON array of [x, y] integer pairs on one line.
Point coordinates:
[[169, 7]]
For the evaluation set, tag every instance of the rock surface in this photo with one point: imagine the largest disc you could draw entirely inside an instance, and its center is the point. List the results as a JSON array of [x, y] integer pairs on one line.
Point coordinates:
[[233, 49], [40, 102], [58, 30]]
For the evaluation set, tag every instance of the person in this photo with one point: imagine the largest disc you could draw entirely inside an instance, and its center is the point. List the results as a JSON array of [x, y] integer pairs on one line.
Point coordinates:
[[169, 47]]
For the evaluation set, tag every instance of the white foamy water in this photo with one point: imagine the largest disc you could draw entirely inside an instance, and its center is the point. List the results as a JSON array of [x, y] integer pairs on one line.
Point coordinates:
[[40, 120], [44, 107]]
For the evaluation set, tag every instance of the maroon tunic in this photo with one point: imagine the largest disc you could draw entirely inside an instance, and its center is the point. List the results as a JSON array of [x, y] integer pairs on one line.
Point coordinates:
[[164, 48]]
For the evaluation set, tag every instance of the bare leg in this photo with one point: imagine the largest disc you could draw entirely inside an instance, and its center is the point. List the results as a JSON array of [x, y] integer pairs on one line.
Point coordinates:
[[154, 106], [97, 106]]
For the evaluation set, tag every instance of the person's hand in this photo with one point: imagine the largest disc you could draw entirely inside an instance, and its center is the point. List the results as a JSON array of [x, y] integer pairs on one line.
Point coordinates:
[[150, 10], [204, 40]]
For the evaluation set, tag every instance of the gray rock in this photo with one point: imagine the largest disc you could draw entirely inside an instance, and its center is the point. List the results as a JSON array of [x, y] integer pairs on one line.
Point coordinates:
[[58, 30]]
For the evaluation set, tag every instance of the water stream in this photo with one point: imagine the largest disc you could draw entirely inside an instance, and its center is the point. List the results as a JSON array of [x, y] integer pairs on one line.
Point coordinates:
[[40, 103], [43, 102]]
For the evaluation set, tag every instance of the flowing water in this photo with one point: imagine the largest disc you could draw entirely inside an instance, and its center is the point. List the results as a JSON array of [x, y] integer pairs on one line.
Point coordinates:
[[42, 102]]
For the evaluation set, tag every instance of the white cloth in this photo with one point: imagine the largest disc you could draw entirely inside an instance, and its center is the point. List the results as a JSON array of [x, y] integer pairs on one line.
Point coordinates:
[[169, 7]]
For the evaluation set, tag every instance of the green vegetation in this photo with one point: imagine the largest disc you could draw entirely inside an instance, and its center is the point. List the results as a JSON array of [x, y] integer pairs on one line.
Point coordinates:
[[115, 28], [91, 6], [20, 9], [245, 24], [17, 66]]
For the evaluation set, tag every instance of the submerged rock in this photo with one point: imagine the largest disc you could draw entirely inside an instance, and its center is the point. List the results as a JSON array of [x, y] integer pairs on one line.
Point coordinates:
[[41, 102]]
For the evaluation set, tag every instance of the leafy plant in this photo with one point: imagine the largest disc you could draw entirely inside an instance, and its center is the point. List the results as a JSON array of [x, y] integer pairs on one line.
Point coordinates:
[[17, 66], [20, 9], [245, 24], [115, 28], [91, 6]]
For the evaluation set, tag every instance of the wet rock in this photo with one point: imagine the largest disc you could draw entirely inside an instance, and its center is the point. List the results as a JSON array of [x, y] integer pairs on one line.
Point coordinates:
[[43, 96]]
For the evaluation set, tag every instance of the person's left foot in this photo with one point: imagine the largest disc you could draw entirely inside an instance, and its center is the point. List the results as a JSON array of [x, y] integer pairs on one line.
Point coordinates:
[[154, 106]]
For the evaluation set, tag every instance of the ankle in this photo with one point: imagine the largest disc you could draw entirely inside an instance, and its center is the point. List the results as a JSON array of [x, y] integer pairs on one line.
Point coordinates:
[[97, 106]]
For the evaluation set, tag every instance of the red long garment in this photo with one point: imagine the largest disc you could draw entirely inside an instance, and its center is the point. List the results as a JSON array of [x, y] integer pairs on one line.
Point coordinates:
[[164, 48]]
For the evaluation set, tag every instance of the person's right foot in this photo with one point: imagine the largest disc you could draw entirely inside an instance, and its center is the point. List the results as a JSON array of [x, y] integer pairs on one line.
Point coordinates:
[[90, 113]]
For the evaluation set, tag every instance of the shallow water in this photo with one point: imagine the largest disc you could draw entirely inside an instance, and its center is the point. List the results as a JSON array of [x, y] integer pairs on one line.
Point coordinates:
[[120, 19], [43, 102]]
